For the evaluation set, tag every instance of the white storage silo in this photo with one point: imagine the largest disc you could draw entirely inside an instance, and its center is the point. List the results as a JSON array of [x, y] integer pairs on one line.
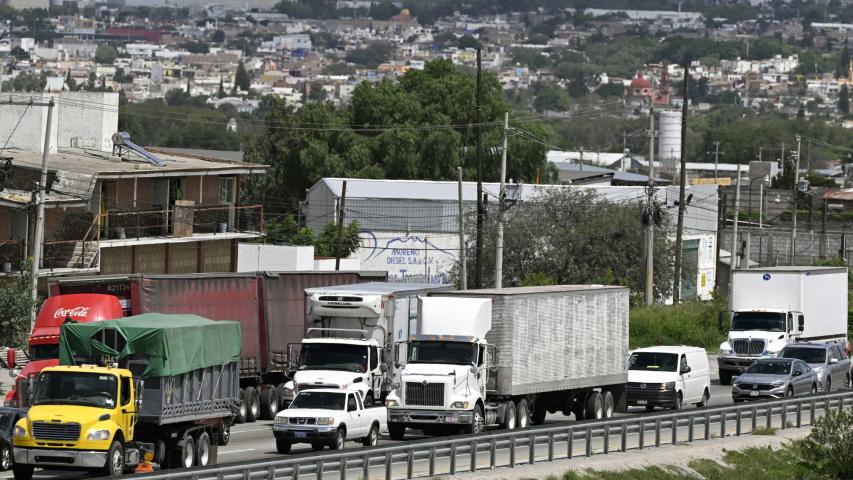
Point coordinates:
[[669, 141]]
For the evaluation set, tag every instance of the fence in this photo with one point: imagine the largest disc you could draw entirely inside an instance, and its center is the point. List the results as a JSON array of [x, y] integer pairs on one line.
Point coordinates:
[[547, 443], [770, 247]]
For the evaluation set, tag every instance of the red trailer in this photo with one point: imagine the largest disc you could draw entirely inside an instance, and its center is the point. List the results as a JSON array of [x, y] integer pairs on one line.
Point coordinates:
[[270, 307]]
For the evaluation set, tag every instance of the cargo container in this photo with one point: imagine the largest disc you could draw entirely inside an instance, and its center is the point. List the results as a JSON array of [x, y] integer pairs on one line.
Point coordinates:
[[507, 357], [269, 307], [160, 385]]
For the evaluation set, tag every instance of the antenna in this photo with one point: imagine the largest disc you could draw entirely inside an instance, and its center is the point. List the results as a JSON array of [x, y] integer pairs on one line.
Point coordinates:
[[122, 144]]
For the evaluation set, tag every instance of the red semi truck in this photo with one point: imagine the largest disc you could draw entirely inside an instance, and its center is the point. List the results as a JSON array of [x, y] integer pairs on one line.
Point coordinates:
[[270, 307]]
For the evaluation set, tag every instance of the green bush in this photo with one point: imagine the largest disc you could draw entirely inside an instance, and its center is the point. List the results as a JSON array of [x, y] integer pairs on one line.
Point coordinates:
[[828, 449], [691, 323]]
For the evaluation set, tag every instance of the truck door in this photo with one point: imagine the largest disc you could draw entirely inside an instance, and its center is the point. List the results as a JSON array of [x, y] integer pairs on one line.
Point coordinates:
[[128, 407], [353, 417], [375, 372]]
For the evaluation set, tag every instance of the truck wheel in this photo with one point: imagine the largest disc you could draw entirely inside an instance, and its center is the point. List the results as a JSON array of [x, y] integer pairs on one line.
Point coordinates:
[[609, 404], [338, 441], [725, 377], [254, 405], [538, 417], [115, 460], [243, 414], [203, 450], [509, 417], [396, 431], [372, 438], [269, 403], [282, 446], [282, 403], [522, 415], [224, 435], [186, 453], [5, 457], [478, 422], [23, 472], [594, 406]]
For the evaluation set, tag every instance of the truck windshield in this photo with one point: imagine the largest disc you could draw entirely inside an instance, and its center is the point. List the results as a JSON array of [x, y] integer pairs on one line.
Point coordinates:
[[453, 353], [333, 356], [77, 388], [808, 355], [44, 352], [770, 368], [764, 321], [652, 361], [321, 400]]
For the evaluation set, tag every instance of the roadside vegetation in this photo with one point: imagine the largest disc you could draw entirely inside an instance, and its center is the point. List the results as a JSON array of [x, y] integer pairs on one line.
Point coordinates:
[[692, 323]]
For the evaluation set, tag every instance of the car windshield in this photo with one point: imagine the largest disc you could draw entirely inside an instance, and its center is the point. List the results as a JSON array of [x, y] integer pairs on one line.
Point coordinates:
[[44, 352], [653, 361], [88, 389], [764, 321], [333, 356], [808, 355], [453, 353], [319, 400], [770, 368]]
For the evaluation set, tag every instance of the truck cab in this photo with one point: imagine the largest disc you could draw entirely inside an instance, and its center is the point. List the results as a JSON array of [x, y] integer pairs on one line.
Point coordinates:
[[338, 362], [43, 342]]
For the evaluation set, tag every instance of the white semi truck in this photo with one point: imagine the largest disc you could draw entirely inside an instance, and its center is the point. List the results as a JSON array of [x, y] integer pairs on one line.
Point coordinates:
[[507, 357], [350, 331], [773, 307]]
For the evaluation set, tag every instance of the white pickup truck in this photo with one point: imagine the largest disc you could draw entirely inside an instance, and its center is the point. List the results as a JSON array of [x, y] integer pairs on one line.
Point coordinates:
[[330, 417]]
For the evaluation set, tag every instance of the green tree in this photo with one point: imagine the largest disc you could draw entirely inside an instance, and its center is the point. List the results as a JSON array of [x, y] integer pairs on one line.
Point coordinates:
[[287, 230], [241, 78], [221, 92], [16, 305], [327, 242], [338, 69], [829, 446], [105, 54], [844, 100], [19, 53], [316, 92], [551, 99], [370, 56], [196, 47], [218, 36], [843, 62]]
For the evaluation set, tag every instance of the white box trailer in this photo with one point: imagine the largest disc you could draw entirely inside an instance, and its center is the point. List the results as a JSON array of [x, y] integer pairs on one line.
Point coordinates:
[[772, 307], [503, 357]]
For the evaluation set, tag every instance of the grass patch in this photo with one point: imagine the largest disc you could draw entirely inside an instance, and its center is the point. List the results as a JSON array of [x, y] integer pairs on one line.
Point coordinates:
[[691, 323], [770, 431]]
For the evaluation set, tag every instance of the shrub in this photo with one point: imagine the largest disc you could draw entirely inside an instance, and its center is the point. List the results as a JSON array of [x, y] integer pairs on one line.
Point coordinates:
[[828, 449], [690, 323]]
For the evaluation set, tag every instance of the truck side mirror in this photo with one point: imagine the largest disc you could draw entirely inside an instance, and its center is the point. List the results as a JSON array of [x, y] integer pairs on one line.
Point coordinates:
[[801, 322], [397, 355], [139, 388], [686, 369], [291, 357]]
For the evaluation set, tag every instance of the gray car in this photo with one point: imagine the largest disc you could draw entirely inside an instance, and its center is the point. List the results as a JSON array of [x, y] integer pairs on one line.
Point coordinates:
[[774, 378], [829, 361]]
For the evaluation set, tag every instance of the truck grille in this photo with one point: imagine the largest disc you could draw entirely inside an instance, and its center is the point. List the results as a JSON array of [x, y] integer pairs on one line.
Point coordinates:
[[745, 346], [310, 386], [56, 431], [425, 394], [302, 421]]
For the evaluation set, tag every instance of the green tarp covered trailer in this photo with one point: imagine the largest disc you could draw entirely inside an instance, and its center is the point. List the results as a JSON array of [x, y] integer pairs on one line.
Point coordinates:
[[189, 364]]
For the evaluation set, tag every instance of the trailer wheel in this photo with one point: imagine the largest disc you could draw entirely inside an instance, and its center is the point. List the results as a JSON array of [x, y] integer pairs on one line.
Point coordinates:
[[23, 472], [594, 406], [522, 414], [186, 453], [243, 414], [203, 450], [269, 403], [115, 460], [282, 401], [608, 404], [254, 405], [509, 416], [538, 417], [224, 435]]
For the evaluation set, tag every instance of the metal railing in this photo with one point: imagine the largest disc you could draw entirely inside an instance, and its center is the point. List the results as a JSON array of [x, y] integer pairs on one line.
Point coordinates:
[[117, 223], [449, 455]]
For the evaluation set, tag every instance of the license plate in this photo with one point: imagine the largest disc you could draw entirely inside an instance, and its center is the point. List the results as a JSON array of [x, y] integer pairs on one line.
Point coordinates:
[[300, 434], [753, 393], [451, 420], [642, 402]]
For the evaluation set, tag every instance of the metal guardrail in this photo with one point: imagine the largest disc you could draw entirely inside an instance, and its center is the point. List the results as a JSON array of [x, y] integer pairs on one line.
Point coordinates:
[[450, 455]]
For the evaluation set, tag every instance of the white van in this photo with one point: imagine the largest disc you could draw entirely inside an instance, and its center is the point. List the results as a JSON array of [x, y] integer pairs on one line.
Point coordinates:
[[668, 377]]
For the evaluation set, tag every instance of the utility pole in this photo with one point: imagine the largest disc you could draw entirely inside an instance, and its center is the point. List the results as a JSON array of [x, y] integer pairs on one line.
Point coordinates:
[[794, 201], [679, 233], [478, 275], [341, 207], [716, 158], [650, 227], [733, 255], [782, 162], [499, 250], [41, 193], [462, 260]]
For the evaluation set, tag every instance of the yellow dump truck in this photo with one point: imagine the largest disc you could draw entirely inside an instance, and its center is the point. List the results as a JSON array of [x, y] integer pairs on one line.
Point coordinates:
[[157, 388]]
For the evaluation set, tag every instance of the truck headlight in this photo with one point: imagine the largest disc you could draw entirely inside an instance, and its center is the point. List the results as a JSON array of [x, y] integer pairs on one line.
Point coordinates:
[[670, 385], [20, 432], [325, 421], [462, 405], [279, 420], [392, 403], [725, 351], [98, 435]]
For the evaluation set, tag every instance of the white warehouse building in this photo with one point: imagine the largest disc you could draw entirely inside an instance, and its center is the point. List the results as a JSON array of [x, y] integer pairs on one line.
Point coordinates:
[[410, 227]]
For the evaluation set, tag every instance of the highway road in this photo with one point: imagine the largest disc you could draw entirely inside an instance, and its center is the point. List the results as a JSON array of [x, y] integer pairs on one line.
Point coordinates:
[[253, 441]]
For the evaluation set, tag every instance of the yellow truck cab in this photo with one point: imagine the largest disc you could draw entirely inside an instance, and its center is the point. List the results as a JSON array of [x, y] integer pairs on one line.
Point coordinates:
[[165, 389], [80, 417]]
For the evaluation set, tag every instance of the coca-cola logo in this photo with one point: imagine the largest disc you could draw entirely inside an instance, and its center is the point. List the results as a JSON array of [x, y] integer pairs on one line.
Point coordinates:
[[71, 312]]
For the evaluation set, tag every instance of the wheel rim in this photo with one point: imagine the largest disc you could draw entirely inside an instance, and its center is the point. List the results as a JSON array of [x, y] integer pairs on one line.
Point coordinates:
[[117, 462], [510, 421], [828, 385], [522, 420], [273, 405], [243, 410], [203, 451], [814, 389], [255, 406], [188, 455], [7, 458], [226, 434], [340, 441], [374, 438], [609, 412], [599, 412], [478, 421]]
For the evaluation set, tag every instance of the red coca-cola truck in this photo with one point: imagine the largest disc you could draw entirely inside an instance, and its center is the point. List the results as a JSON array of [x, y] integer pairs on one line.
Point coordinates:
[[270, 307]]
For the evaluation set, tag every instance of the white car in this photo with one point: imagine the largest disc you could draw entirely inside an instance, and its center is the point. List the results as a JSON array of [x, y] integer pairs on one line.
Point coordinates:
[[330, 417], [668, 377]]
